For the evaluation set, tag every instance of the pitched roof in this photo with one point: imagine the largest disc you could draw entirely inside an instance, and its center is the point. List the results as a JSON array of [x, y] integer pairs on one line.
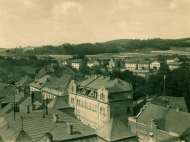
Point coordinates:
[[5, 91], [58, 86], [143, 62], [26, 80], [41, 73], [58, 103], [175, 102], [77, 61], [41, 82], [112, 85], [131, 61], [114, 130], [36, 126], [23, 137], [176, 122]]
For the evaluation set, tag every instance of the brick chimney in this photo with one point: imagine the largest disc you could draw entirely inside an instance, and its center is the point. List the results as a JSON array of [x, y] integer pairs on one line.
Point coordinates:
[[49, 137], [28, 108], [69, 128], [55, 117]]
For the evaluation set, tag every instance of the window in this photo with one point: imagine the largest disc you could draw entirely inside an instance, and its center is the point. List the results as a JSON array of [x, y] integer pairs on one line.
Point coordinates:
[[128, 109], [102, 96], [89, 106]]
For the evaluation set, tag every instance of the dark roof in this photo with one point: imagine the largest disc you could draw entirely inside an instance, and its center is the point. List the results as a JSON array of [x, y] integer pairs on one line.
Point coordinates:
[[114, 130], [59, 102], [175, 102], [26, 80], [41, 73], [112, 85], [131, 61], [23, 137], [77, 61], [15, 77], [41, 82], [177, 122], [36, 126], [143, 62], [5, 91]]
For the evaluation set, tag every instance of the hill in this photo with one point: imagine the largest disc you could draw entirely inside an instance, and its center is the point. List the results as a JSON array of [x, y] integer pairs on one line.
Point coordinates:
[[118, 41]]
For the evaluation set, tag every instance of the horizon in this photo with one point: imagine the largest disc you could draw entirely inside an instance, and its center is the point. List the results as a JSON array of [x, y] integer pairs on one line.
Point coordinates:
[[36, 23]]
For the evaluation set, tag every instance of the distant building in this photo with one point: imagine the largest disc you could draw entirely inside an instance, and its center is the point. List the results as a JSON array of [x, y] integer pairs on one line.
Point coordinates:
[[172, 60], [99, 98], [76, 63], [92, 63], [131, 65], [113, 63], [143, 65], [174, 65], [155, 65], [155, 123], [141, 73]]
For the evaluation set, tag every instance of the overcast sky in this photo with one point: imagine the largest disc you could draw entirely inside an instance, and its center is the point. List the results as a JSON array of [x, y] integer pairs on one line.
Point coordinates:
[[54, 22]]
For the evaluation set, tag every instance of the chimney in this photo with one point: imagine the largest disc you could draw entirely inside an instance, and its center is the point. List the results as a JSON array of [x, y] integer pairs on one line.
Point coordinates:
[[108, 78], [168, 106], [95, 76], [46, 109], [32, 98], [178, 109], [116, 80], [49, 137], [28, 108], [55, 117], [69, 128]]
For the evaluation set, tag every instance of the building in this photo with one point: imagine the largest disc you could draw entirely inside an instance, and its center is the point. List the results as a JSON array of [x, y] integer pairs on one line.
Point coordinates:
[[76, 63], [115, 130], [174, 65], [92, 63], [155, 65], [99, 98], [40, 83], [113, 63], [143, 65], [131, 65], [156, 123], [172, 60], [50, 126], [56, 87], [141, 73]]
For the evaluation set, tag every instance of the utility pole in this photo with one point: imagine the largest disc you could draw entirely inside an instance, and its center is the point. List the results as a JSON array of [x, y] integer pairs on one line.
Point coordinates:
[[164, 85]]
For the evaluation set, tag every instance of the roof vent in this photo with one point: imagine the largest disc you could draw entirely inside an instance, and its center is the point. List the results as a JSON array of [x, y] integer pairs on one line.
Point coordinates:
[[178, 109], [69, 128], [49, 137], [55, 117]]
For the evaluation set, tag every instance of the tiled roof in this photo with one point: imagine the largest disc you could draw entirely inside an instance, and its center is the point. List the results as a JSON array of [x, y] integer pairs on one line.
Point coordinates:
[[176, 122], [26, 80], [58, 86], [175, 102], [23, 137], [114, 130], [5, 91], [112, 85], [143, 62], [41, 82], [36, 126], [77, 61], [58, 103], [41, 73]]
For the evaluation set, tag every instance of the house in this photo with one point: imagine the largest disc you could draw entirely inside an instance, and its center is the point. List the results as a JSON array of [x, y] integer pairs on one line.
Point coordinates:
[[157, 123], [155, 65], [76, 63], [172, 60], [174, 102], [60, 71], [53, 125], [40, 83], [49, 70], [99, 98], [24, 81], [115, 130], [92, 63], [143, 65], [113, 63], [174, 65], [56, 87], [131, 65], [141, 73]]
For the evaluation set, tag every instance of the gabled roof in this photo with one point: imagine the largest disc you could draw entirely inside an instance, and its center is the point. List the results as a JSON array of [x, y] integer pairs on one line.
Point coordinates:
[[143, 62], [77, 61], [131, 61], [114, 130], [41, 73], [41, 82], [176, 122], [58, 103], [112, 85], [26, 80], [23, 137], [175, 102]]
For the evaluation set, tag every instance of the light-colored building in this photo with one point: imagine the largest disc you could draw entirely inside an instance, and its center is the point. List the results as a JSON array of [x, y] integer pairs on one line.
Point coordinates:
[[172, 60], [141, 73], [161, 124], [131, 65], [143, 65], [92, 63], [99, 98], [112, 63], [174, 65], [76, 63], [155, 65]]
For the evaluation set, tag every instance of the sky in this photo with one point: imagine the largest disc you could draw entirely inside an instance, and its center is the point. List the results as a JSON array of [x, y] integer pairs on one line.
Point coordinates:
[[54, 22]]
